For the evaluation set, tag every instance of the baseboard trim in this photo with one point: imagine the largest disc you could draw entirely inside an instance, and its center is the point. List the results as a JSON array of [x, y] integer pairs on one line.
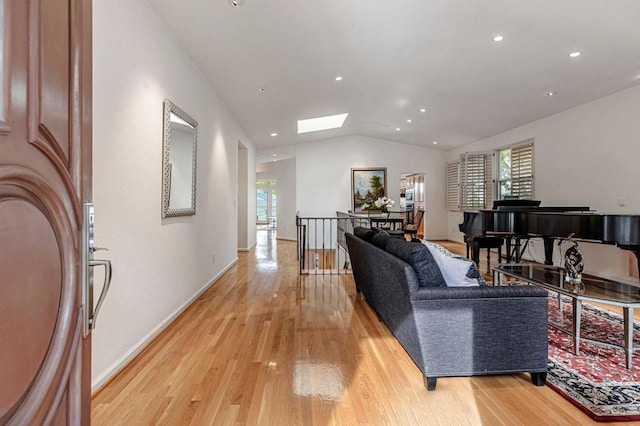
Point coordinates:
[[248, 248], [103, 379], [286, 238]]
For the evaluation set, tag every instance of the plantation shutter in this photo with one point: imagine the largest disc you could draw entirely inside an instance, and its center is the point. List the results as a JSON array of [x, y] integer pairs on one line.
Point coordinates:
[[477, 180], [522, 171], [473, 188], [489, 180], [453, 186]]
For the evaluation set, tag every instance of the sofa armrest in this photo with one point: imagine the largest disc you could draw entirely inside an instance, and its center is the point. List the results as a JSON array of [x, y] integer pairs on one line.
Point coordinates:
[[483, 292], [481, 330]]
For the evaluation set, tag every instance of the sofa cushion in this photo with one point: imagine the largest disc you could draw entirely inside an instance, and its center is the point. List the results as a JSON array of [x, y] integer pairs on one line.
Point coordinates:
[[364, 233], [421, 259], [380, 240], [456, 270]]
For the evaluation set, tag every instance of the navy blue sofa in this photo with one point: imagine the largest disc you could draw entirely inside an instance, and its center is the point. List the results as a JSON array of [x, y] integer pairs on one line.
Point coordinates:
[[450, 331]]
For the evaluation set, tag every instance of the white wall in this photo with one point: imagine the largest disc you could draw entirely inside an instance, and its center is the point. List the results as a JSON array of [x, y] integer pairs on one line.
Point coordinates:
[[284, 172], [587, 155], [159, 265], [324, 175]]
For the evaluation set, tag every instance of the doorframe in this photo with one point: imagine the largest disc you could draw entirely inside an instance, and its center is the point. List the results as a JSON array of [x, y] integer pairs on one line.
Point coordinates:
[[269, 188], [241, 202], [420, 196]]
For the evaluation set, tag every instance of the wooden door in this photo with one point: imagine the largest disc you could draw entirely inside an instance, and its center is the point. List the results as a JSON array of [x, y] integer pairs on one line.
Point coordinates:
[[45, 176]]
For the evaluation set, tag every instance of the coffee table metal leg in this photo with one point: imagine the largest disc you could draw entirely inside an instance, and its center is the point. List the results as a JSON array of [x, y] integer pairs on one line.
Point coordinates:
[[560, 305], [577, 314], [628, 335]]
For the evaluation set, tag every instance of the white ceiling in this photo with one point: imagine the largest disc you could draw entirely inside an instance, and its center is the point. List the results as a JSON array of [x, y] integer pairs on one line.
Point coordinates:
[[396, 57]]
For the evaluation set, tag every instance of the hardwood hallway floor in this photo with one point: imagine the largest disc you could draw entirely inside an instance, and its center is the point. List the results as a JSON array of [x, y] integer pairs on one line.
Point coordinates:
[[264, 346]]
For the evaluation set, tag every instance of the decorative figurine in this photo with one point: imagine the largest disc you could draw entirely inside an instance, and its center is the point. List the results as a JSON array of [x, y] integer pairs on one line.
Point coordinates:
[[573, 262]]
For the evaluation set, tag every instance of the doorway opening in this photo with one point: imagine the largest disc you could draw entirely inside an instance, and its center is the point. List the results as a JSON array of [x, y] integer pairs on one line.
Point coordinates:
[[266, 203], [412, 199]]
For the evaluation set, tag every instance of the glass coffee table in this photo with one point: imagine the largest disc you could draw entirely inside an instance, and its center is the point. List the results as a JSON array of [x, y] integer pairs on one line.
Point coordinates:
[[591, 289]]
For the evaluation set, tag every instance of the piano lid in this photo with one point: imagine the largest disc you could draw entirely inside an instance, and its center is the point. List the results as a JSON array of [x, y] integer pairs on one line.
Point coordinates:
[[514, 204], [533, 206]]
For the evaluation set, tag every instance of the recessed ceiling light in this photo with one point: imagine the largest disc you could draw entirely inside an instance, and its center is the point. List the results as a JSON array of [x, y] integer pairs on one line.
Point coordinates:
[[236, 3], [274, 134], [274, 155], [498, 38], [408, 120], [423, 110], [321, 123], [398, 129], [550, 93], [574, 54], [339, 78], [435, 142]]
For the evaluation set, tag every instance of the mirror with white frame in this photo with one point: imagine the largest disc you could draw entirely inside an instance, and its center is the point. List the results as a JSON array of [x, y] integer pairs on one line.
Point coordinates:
[[180, 146]]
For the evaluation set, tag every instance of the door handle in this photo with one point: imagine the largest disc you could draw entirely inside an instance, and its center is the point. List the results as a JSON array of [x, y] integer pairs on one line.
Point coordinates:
[[105, 288], [89, 314]]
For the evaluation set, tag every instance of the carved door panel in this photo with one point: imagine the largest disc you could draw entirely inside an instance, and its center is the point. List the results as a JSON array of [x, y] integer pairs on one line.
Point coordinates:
[[45, 177]]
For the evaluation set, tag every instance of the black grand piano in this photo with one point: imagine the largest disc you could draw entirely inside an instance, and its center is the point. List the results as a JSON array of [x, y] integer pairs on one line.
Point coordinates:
[[519, 220]]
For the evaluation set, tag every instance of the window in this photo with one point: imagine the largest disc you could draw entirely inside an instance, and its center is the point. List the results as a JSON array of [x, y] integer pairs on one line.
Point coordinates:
[[470, 181], [475, 179], [515, 171]]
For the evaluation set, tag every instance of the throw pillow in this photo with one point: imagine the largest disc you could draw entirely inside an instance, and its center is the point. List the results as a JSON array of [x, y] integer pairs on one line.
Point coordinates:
[[456, 270], [380, 240], [364, 233], [420, 258]]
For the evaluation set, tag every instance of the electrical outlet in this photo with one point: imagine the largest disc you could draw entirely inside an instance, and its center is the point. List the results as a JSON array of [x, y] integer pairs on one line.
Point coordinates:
[[622, 202]]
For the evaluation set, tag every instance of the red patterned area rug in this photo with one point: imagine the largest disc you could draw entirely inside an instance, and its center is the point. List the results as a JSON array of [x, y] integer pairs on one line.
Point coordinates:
[[596, 381]]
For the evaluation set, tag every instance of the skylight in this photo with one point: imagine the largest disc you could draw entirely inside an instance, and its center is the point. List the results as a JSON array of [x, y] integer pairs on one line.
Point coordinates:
[[321, 123]]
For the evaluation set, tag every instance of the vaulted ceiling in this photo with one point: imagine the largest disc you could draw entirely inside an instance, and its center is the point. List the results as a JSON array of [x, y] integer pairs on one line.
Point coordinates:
[[276, 61]]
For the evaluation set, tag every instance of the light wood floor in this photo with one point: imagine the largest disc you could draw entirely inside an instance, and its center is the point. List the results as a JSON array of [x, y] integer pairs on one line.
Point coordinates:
[[265, 346]]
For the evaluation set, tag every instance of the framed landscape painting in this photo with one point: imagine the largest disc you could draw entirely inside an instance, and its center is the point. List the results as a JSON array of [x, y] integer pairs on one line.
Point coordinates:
[[367, 185]]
